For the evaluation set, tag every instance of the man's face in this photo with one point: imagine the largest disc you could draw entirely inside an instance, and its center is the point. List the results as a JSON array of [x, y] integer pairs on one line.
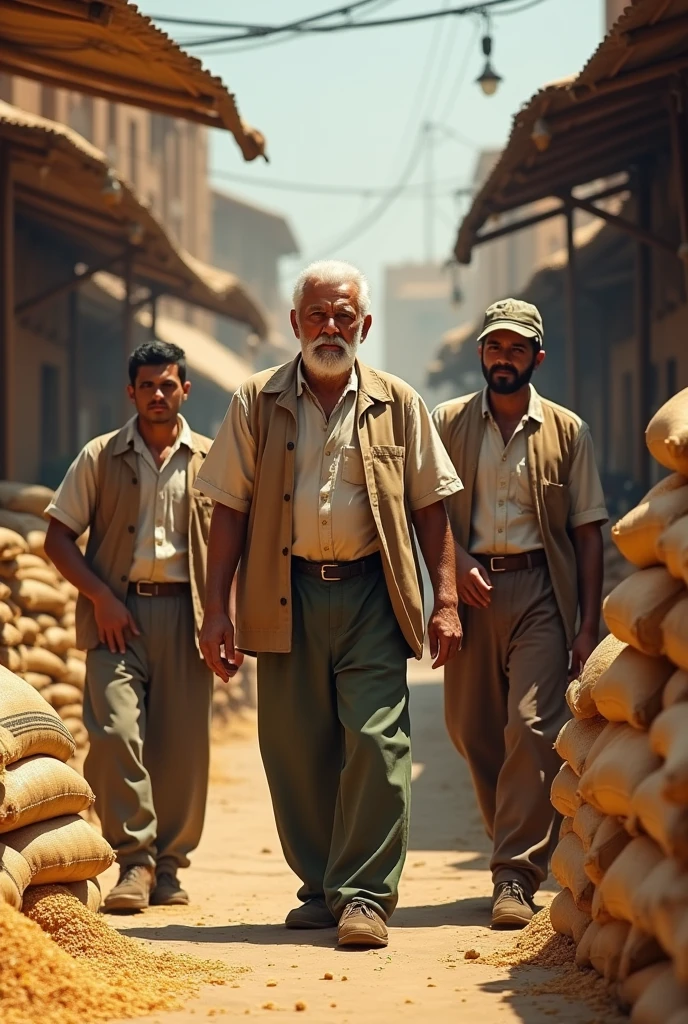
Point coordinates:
[[329, 325], [158, 393], [508, 361]]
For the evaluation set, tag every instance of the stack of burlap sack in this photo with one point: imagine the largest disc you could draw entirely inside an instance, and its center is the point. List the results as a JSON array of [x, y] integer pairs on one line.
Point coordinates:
[[43, 838], [37, 638], [622, 857]]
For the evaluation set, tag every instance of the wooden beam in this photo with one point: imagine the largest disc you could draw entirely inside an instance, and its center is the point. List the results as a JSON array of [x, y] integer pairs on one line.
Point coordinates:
[[571, 360], [643, 321], [154, 315], [64, 287], [677, 120], [7, 321], [671, 29], [640, 77], [101, 13], [593, 108], [636, 231]]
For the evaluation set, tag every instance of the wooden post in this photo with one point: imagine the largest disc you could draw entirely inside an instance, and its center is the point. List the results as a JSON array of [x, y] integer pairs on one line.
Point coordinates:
[[7, 318], [571, 361], [643, 323], [127, 325], [154, 314], [677, 120]]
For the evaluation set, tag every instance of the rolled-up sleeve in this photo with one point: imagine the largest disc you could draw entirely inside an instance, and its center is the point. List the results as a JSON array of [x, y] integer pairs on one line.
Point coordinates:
[[74, 501], [585, 487], [430, 475], [229, 468]]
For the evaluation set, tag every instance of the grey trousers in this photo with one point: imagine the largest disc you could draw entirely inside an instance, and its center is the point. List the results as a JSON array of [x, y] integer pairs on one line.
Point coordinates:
[[505, 704], [148, 718]]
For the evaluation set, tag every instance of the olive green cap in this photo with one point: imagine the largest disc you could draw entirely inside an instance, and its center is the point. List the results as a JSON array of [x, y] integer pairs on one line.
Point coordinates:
[[514, 315]]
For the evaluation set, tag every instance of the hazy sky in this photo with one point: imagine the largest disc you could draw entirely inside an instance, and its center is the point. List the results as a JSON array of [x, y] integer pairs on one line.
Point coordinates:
[[346, 109]]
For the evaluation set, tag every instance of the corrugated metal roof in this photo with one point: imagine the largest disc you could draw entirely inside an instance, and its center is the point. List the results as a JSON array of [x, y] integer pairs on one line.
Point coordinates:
[[111, 49]]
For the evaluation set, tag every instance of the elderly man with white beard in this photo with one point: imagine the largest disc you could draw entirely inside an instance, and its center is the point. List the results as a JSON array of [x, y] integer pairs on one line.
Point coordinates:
[[320, 471]]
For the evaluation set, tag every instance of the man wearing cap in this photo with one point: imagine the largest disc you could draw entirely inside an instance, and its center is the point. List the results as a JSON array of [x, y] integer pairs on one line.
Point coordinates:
[[529, 574]]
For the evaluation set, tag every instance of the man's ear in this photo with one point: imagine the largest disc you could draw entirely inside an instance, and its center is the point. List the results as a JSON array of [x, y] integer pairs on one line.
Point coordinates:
[[367, 324], [540, 358], [294, 323]]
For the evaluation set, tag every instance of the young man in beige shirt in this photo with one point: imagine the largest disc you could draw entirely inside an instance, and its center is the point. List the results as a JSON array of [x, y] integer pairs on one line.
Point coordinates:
[[142, 586], [529, 574]]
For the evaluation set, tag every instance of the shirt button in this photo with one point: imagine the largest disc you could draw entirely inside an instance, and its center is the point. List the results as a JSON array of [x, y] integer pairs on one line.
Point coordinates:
[[124, 579], [290, 446], [328, 453], [283, 601], [503, 458], [134, 480], [285, 551], [287, 497], [501, 503], [132, 529], [324, 522], [327, 547], [500, 530]]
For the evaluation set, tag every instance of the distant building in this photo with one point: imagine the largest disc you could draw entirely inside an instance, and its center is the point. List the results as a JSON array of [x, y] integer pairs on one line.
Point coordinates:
[[250, 240]]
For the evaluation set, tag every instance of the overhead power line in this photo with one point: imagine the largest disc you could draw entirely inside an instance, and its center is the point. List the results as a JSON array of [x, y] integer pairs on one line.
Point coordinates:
[[204, 23], [361, 191]]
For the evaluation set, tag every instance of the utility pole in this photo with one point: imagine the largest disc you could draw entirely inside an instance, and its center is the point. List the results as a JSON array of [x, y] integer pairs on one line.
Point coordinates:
[[429, 193]]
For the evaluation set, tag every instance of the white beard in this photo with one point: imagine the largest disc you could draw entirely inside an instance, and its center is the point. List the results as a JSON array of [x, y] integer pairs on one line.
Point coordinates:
[[325, 365]]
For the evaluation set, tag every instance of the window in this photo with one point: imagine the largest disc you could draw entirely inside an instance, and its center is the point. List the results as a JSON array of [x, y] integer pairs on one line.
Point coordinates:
[[133, 151], [48, 102], [112, 124], [671, 378], [50, 414], [160, 126], [81, 115]]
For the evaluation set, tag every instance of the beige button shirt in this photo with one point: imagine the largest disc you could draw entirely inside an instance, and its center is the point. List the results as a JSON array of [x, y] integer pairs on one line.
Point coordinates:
[[332, 519], [161, 543], [504, 521]]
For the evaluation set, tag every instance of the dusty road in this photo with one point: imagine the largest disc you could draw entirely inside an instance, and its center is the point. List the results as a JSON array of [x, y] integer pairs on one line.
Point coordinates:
[[241, 891]]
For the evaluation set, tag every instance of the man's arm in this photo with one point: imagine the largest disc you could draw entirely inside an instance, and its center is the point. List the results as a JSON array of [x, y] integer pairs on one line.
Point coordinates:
[[113, 618], [437, 544], [587, 540], [225, 547]]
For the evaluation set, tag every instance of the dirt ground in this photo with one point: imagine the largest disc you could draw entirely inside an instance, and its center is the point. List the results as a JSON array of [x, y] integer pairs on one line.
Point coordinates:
[[241, 891]]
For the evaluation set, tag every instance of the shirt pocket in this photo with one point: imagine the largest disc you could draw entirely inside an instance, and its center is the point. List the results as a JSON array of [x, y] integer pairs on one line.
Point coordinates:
[[557, 502], [521, 486], [352, 467]]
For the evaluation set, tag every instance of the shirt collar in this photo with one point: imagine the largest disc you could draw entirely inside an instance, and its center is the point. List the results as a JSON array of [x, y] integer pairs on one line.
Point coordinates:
[[534, 405], [133, 439], [302, 383]]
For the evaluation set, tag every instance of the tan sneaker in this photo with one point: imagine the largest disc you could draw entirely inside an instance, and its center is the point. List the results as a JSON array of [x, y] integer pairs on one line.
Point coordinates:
[[168, 892], [133, 890], [314, 913], [360, 925], [512, 905]]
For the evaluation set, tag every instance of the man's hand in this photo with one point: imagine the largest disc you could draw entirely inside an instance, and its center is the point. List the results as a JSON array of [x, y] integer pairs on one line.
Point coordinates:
[[217, 633], [472, 581], [444, 634], [583, 646], [113, 619]]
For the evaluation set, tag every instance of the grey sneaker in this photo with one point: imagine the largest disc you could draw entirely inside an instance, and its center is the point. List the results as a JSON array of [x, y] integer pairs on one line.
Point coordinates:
[[133, 890], [168, 892], [360, 925], [314, 913], [512, 905]]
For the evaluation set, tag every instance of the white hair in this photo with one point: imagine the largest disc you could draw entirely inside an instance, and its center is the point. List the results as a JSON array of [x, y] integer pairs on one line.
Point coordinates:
[[333, 272]]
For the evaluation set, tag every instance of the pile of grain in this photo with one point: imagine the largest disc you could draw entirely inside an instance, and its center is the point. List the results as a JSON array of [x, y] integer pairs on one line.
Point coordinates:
[[538, 945], [622, 857], [67, 966]]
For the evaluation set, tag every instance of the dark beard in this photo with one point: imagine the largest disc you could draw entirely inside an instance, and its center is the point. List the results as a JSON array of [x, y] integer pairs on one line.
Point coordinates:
[[515, 382]]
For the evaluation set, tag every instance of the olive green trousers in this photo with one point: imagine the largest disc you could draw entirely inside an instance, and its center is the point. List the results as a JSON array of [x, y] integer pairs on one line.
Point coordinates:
[[147, 712], [334, 735]]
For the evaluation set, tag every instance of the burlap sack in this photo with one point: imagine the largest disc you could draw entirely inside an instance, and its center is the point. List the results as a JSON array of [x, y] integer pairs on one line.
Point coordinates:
[[676, 689], [15, 876], [45, 621], [8, 568], [607, 843], [640, 950], [564, 792], [612, 772], [575, 740], [57, 640], [10, 635], [87, 892], [68, 619], [38, 788], [606, 948], [39, 680], [29, 630], [60, 694], [637, 533], [624, 876], [584, 947], [75, 653], [675, 633], [631, 689], [22, 522], [65, 849], [40, 659], [567, 868], [566, 918], [667, 434], [11, 544], [34, 596], [599, 912], [661, 999], [75, 673], [585, 824], [43, 574], [10, 658], [664, 822], [29, 724], [629, 991], [6, 612], [565, 827], [672, 549], [70, 711], [19, 497], [579, 693], [636, 608], [669, 739], [665, 884]]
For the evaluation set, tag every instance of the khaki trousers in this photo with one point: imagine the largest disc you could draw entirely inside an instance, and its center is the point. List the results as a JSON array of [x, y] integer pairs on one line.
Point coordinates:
[[504, 705], [333, 725], [148, 718]]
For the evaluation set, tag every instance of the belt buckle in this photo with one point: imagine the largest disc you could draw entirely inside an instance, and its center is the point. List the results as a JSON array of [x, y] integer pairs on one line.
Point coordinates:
[[329, 579], [493, 559], [144, 593]]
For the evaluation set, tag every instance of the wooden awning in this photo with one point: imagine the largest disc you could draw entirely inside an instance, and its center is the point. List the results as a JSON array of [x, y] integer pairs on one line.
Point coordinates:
[[109, 49], [622, 107], [64, 181]]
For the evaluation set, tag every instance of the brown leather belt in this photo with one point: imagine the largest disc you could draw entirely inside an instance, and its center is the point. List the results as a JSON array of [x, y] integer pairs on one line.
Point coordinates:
[[145, 588], [333, 572], [513, 563]]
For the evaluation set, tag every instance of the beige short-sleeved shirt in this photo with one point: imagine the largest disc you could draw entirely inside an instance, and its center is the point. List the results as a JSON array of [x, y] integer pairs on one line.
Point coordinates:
[[161, 545], [504, 520], [332, 519]]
